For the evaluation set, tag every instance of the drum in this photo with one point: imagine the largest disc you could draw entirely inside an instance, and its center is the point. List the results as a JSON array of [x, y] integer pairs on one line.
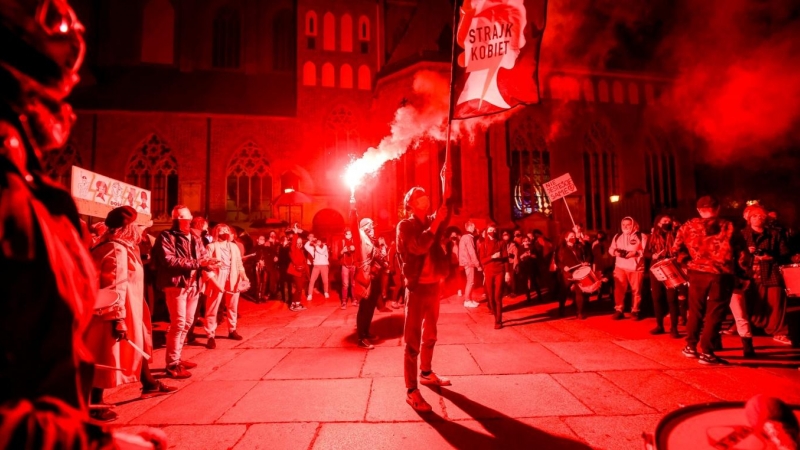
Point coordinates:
[[669, 272], [720, 425], [791, 279], [586, 280]]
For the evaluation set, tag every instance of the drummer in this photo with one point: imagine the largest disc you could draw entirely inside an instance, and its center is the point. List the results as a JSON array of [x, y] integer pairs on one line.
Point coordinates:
[[570, 255], [659, 248], [768, 250]]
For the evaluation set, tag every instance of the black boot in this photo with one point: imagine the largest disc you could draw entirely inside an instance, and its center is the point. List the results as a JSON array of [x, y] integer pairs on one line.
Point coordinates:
[[748, 352]]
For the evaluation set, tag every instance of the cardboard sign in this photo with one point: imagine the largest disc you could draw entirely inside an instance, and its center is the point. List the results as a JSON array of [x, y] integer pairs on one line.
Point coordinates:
[[96, 195], [559, 187]]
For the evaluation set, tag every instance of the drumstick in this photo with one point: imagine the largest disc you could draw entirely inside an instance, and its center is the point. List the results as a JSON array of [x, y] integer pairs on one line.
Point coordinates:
[[103, 366], [574, 267], [135, 347]]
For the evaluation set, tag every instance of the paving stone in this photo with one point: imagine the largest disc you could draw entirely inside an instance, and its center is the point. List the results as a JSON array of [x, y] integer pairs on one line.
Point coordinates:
[[488, 335], [307, 338], [455, 334], [251, 364], [304, 320], [600, 395], [342, 337], [278, 436], [387, 402], [204, 436], [268, 338], [739, 383], [656, 389], [664, 349], [613, 432], [517, 358], [307, 363], [544, 332], [581, 329], [201, 402], [600, 355], [458, 319], [302, 401], [209, 361], [508, 395], [384, 362], [451, 360]]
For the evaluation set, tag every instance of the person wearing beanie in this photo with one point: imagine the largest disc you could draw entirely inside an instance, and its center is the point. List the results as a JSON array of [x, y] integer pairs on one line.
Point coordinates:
[[658, 248], [768, 249], [710, 248], [122, 317], [424, 264]]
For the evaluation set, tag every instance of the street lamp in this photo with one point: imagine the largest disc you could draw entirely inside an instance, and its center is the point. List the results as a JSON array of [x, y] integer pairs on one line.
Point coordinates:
[[614, 198]]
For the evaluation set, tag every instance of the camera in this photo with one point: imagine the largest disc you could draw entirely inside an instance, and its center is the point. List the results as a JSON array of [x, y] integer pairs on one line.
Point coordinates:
[[621, 252]]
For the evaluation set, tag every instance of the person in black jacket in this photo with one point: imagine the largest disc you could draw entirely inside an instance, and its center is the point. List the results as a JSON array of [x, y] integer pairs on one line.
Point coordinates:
[[570, 255], [179, 256], [424, 265], [493, 254]]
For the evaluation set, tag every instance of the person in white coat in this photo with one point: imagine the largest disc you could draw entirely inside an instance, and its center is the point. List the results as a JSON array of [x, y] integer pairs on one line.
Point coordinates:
[[628, 248], [468, 259], [224, 283], [319, 252]]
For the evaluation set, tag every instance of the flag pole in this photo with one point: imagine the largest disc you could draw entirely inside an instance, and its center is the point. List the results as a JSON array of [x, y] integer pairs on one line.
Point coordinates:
[[447, 170]]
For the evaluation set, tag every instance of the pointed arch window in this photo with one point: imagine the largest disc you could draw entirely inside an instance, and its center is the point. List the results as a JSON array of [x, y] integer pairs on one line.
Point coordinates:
[[58, 164], [530, 169], [347, 33], [158, 32], [601, 176], [227, 43], [619, 92], [364, 78], [311, 30], [249, 184], [660, 172], [363, 33], [602, 91], [633, 93], [152, 166], [327, 75], [346, 76], [309, 74], [328, 32]]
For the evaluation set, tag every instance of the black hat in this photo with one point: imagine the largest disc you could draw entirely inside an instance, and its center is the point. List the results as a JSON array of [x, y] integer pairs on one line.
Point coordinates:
[[120, 217], [707, 201]]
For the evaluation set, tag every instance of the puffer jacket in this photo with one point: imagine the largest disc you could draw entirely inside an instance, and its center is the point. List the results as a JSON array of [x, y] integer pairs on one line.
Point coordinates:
[[635, 242]]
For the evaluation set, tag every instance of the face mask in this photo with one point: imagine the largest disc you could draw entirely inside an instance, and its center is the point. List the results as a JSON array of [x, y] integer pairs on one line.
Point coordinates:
[[667, 227], [571, 241], [348, 236], [422, 203]]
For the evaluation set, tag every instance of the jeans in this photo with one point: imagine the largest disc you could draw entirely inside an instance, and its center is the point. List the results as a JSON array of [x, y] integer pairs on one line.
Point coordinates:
[[315, 273], [366, 310], [182, 304], [348, 278], [419, 330], [212, 306], [739, 310], [493, 286], [470, 272], [709, 295], [662, 295], [623, 279]]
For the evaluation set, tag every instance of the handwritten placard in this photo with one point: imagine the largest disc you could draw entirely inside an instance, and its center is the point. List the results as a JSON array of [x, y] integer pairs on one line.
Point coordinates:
[[559, 187], [96, 195]]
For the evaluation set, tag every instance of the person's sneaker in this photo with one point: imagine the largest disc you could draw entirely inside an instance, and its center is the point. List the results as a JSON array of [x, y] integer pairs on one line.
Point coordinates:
[[343, 306], [710, 359], [178, 372], [689, 352], [782, 339], [433, 380], [657, 330], [471, 304], [618, 315], [365, 343], [674, 333], [211, 344], [397, 305], [103, 415], [355, 303], [372, 337], [188, 364], [498, 326], [157, 389], [730, 331], [300, 307], [327, 296], [635, 315], [235, 336], [417, 402], [384, 309], [308, 298]]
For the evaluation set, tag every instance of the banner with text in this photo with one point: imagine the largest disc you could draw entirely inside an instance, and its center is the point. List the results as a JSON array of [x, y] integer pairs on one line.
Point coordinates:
[[559, 187], [96, 195], [497, 44]]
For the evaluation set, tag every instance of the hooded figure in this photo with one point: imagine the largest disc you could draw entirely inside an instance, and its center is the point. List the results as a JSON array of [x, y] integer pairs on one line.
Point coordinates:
[[628, 247]]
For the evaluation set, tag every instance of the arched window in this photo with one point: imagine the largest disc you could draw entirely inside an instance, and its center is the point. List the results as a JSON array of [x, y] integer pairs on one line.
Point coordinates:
[[364, 78], [660, 172], [619, 92], [601, 176], [346, 77], [530, 169], [309, 74], [249, 184], [588, 90], [649, 94], [602, 91], [327, 75], [57, 164], [158, 32], [227, 45], [347, 33], [633, 93], [152, 166], [311, 29], [284, 56], [328, 32], [363, 33]]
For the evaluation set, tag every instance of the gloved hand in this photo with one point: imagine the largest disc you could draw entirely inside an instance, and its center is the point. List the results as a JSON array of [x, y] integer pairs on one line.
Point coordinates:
[[118, 330]]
